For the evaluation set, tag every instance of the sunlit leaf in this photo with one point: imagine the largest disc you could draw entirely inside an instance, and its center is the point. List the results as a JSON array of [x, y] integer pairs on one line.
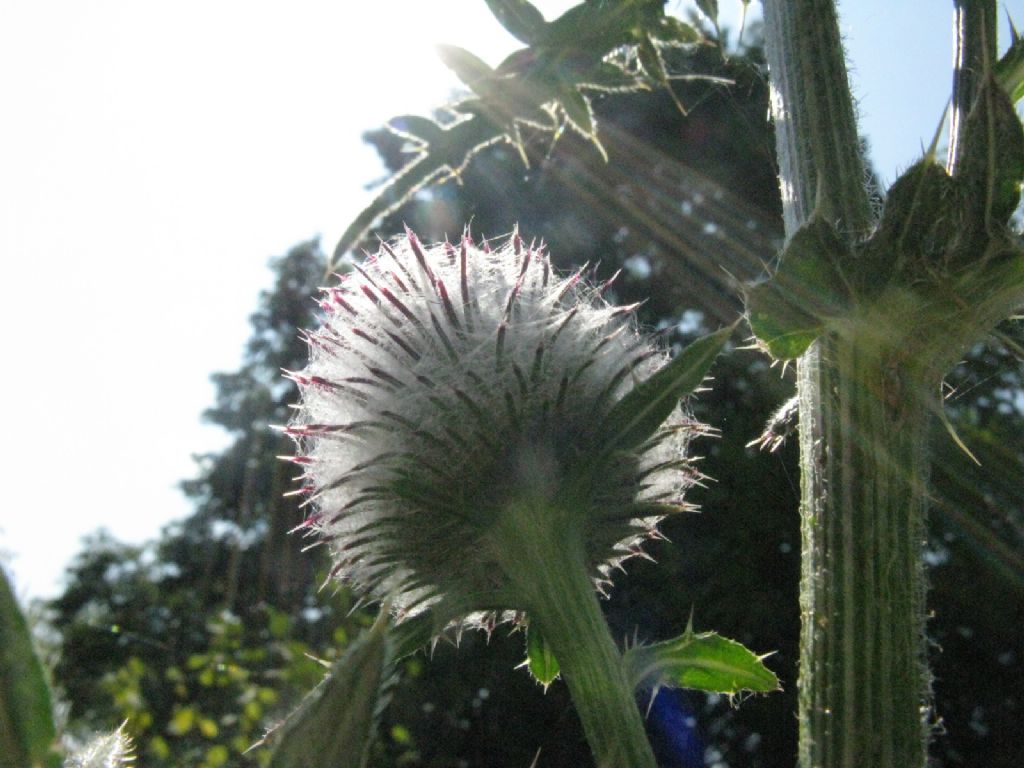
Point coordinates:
[[609, 78], [531, 87], [705, 662], [577, 109], [540, 660], [26, 715], [637, 415], [596, 28], [650, 59], [522, 20]]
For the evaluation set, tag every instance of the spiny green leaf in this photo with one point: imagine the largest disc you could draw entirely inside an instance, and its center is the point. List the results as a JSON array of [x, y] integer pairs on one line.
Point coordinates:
[[451, 150], [1009, 70], [539, 658], [610, 78], [26, 714], [705, 662], [783, 344], [789, 311], [654, 66], [522, 20], [637, 415], [651, 61], [920, 216], [992, 163], [335, 724], [581, 116], [577, 109]]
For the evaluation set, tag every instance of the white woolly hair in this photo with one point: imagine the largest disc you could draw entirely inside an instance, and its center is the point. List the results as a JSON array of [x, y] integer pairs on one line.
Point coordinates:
[[447, 382]]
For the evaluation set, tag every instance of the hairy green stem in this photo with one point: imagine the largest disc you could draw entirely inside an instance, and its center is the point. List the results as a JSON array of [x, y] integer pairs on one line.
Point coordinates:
[[864, 414], [820, 164], [864, 683], [542, 554]]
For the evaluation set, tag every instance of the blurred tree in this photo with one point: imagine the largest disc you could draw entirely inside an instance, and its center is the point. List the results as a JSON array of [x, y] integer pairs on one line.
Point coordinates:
[[200, 641]]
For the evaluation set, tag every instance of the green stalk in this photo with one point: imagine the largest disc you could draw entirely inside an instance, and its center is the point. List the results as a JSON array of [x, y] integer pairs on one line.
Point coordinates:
[[864, 683], [863, 424], [541, 552]]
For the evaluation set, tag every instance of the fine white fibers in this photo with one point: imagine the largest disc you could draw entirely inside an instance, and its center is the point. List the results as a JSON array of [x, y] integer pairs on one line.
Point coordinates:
[[446, 383]]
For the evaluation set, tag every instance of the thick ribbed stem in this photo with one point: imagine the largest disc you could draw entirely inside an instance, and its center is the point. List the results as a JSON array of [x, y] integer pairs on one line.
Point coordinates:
[[863, 420], [542, 555], [863, 677]]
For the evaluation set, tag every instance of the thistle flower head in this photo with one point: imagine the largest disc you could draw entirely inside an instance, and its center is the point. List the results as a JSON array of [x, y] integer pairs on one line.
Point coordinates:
[[448, 385]]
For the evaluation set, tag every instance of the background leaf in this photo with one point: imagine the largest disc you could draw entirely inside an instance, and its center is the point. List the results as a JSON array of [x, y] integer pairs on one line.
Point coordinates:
[[26, 712]]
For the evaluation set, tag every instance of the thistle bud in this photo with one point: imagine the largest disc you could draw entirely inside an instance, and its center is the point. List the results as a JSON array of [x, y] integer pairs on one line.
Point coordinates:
[[450, 388]]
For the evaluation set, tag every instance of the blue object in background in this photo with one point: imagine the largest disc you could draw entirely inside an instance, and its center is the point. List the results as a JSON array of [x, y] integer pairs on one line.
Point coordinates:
[[673, 730]]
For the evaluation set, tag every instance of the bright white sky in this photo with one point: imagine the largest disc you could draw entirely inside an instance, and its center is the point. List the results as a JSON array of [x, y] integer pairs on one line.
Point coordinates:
[[153, 156]]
